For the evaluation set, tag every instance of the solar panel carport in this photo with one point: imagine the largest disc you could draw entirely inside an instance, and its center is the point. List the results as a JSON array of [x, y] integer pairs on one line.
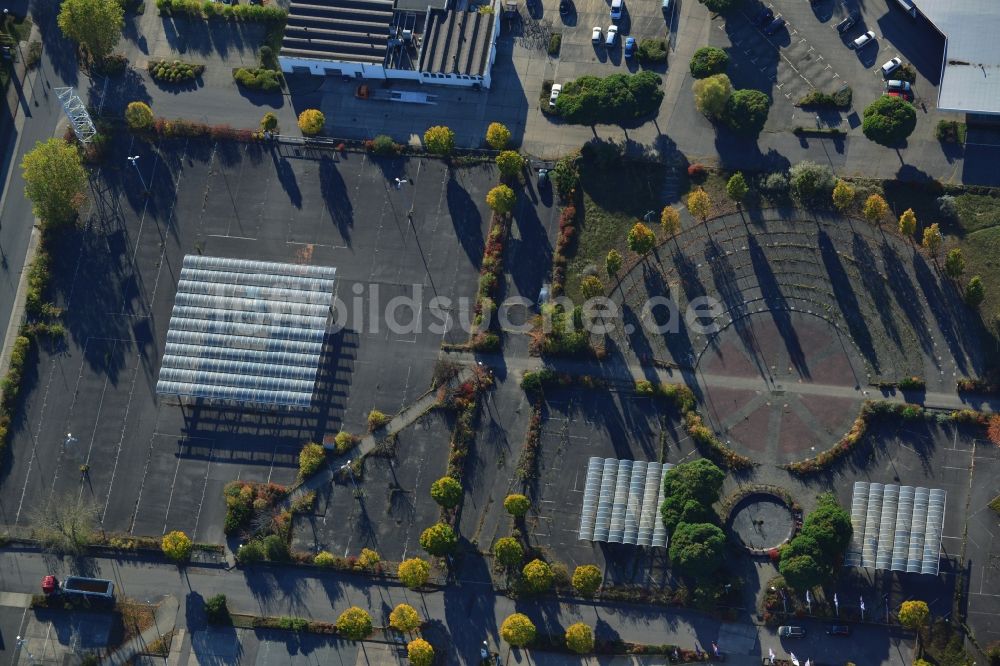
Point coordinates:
[[247, 331], [621, 502], [896, 527]]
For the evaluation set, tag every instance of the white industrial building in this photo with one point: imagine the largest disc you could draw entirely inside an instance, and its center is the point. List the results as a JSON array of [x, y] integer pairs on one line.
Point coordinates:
[[970, 67], [414, 40]]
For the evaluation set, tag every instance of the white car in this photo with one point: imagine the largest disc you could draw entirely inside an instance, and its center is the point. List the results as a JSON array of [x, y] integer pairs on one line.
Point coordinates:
[[612, 37], [891, 66], [864, 40], [554, 95], [597, 37], [616, 9]]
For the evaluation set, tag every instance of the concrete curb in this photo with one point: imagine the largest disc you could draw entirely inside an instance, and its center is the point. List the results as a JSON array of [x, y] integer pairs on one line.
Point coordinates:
[[17, 313]]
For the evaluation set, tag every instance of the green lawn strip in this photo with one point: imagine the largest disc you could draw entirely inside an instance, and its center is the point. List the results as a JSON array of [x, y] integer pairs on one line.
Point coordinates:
[[977, 211], [614, 199]]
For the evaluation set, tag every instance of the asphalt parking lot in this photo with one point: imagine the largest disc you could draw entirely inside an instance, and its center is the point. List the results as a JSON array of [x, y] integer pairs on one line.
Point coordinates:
[[578, 55], [388, 507], [579, 424], [155, 466], [810, 54]]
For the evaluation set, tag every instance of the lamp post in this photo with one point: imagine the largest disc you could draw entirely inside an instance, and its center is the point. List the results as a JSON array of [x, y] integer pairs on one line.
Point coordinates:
[[134, 159], [350, 472]]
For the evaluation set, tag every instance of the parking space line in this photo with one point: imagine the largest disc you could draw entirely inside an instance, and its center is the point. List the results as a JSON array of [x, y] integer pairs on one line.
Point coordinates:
[[170, 499], [204, 488]]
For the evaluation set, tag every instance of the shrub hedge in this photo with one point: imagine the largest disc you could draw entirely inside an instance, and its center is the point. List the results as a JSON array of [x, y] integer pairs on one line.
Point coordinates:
[[258, 78], [174, 71], [617, 98], [196, 9]]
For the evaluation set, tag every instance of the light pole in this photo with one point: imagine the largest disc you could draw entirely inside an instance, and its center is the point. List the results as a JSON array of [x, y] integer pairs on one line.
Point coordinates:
[[350, 472], [21, 645], [134, 159]]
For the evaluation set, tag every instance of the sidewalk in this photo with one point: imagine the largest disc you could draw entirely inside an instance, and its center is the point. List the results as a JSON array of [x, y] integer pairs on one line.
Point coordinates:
[[164, 621]]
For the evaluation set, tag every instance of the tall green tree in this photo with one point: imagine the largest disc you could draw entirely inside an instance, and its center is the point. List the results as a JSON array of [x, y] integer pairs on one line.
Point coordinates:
[[640, 239], [711, 94], [613, 262], [96, 25], [908, 223], [689, 490], [736, 187], [954, 263], [54, 180], [697, 549], [932, 239]]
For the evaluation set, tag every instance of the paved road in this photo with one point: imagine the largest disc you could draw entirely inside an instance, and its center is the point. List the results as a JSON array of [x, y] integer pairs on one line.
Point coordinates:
[[469, 611]]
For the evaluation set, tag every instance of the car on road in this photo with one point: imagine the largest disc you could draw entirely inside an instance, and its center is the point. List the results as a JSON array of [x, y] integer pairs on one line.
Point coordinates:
[[616, 9], [839, 630], [791, 632], [847, 22], [629, 47], [764, 17], [864, 40], [891, 66], [598, 35], [554, 95], [612, 37], [774, 26]]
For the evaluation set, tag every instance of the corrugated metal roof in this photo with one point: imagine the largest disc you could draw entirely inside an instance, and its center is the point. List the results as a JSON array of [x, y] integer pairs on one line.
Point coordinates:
[[457, 43], [348, 30], [970, 79]]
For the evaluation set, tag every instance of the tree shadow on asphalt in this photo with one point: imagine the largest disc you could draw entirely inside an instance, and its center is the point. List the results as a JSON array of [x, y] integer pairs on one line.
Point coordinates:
[[770, 290], [60, 51], [207, 36], [335, 196], [466, 219], [847, 301]]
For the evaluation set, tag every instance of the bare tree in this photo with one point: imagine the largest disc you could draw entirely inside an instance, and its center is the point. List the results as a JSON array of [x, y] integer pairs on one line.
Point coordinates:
[[63, 524]]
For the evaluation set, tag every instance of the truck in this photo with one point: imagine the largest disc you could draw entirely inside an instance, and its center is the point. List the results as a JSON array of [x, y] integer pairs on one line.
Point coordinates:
[[94, 588]]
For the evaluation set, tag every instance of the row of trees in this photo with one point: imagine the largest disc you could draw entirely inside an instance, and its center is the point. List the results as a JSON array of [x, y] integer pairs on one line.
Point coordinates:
[[518, 631], [743, 110]]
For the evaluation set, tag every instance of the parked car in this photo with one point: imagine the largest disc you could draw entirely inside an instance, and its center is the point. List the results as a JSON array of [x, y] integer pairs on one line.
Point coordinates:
[[774, 26], [764, 17], [554, 95], [598, 36], [543, 178], [898, 86], [847, 22], [891, 66], [864, 40], [667, 6], [612, 37], [839, 630], [791, 632], [629, 47], [907, 96], [616, 9]]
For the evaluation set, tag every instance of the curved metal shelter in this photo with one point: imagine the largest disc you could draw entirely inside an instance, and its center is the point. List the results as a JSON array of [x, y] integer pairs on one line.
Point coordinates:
[[896, 528], [621, 502], [247, 331]]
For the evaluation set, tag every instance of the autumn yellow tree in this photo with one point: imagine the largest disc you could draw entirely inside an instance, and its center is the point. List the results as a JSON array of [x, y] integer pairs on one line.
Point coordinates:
[[580, 638], [670, 221], [640, 239], [177, 546], [404, 618], [311, 122], [501, 199], [497, 136], [414, 572], [843, 195], [518, 630], [908, 223], [420, 652], [932, 239], [875, 208], [699, 204]]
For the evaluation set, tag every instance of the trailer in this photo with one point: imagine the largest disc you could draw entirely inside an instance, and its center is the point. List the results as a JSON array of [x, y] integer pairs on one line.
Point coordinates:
[[364, 91], [95, 588]]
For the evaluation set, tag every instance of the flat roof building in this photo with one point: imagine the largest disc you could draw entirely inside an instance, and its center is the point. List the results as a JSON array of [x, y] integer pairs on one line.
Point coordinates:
[[415, 40], [970, 68]]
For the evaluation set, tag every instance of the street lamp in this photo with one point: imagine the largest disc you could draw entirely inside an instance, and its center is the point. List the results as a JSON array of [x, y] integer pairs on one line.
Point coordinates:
[[350, 471], [134, 159]]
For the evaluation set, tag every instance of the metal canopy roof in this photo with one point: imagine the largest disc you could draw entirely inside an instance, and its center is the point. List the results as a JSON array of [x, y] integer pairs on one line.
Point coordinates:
[[896, 527], [621, 502], [246, 331]]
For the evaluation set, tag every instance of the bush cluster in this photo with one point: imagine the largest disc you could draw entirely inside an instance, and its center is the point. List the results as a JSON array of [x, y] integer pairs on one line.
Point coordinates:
[[198, 9], [491, 271], [193, 130], [566, 176], [216, 609], [708, 60], [617, 98], [243, 498], [652, 50], [838, 100], [560, 258], [311, 457], [465, 400], [869, 410], [948, 131], [10, 386], [174, 71], [258, 78], [527, 462], [809, 559], [383, 145], [889, 120], [344, 442]]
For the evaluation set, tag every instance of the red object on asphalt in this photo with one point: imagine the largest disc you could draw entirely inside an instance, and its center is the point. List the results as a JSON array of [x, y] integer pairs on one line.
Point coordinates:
[[49, 584]]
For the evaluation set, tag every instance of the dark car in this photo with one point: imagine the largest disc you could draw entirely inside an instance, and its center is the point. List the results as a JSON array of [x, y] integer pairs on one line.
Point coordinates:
[[847, 22], [839, 630], [764, 16], [774, 26]]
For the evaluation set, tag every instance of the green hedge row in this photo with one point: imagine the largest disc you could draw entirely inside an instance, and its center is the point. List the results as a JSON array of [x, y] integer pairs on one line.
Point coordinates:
[[209, 9]]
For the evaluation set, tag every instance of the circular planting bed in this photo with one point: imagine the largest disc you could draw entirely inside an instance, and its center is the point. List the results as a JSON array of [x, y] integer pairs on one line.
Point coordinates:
[[762, 521]]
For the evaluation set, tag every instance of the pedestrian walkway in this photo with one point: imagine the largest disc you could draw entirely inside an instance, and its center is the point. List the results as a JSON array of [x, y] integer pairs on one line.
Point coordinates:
[[164, 621], [400, 421]]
